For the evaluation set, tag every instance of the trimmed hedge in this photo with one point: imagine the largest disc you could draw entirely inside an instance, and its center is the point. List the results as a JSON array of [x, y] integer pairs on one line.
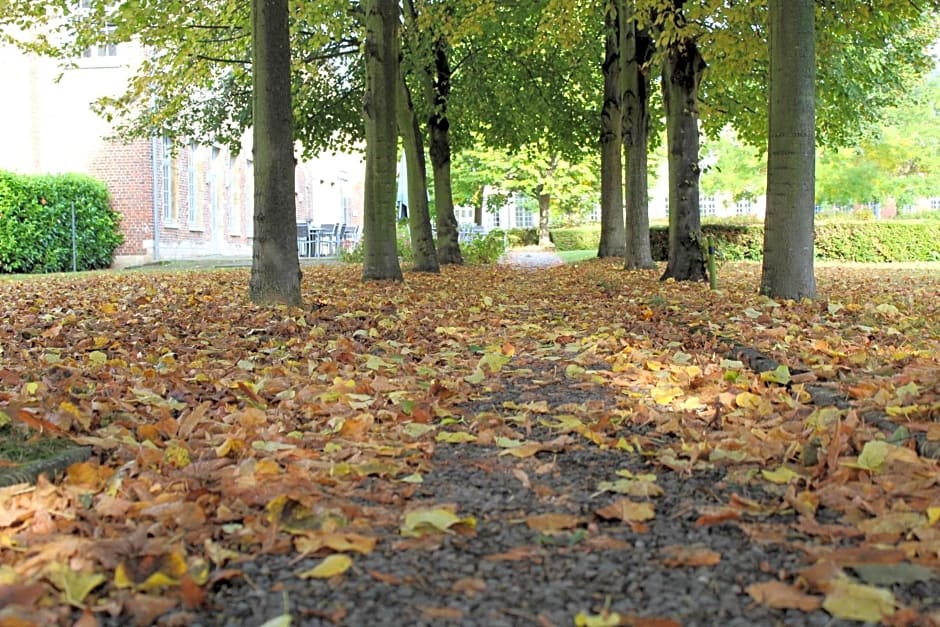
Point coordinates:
[[842, 241], [36, 223]]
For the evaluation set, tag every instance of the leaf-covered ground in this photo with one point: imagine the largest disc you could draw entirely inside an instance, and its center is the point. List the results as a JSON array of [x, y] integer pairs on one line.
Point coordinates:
[[492, 445]]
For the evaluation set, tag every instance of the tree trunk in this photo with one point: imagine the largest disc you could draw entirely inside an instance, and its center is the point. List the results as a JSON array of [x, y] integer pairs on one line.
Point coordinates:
[[448, 244], [682, 72], [275, 269], [545, 239], [613, 237], [379, 111], [419, 218], [788, 224], [636, 52]]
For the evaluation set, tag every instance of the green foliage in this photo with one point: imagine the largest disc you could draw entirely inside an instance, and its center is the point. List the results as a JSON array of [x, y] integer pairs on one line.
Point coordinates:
[[485, 249], [522, 237], [866, 240], [36, 223], [879, 241], [577, 238]]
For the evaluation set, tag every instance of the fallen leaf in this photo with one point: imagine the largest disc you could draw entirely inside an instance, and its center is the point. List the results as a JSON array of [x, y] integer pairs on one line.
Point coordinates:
[[692, 555], [627, 511], [783, 596], [853, 601], [330, 566], [552, 523]]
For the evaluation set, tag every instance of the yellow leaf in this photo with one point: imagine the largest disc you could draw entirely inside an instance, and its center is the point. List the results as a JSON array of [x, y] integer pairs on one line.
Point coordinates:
[[598, 620], [331, 566], [933, 515], [74, 585], [781, 475], [854, 601], [873, 455], [455, 437], [664, 395], [423, 521], [780, 374], [747, 400]]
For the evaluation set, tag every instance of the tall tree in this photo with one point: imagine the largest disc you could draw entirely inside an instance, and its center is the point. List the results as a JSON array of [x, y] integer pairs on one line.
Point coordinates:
[[682, 73], [787, 270], [379, 106], [636, 53], [429, 52], [613, 235], [275, 269], [419, 218]]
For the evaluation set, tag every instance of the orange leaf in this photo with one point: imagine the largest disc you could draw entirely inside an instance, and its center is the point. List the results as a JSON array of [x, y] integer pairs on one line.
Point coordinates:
[[783, 596]]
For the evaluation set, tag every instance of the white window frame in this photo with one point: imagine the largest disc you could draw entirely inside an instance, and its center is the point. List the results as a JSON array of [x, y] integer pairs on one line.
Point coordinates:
[[709, 206], [166, 182], [193, 217], [250, 197], [235, 207]]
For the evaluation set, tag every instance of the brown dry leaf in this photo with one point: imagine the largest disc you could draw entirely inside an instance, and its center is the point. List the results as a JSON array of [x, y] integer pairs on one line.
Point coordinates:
[[517, 554], [470, 586], [552, 523], [783, 596], [695, 555], [442, 613], [627, 511]]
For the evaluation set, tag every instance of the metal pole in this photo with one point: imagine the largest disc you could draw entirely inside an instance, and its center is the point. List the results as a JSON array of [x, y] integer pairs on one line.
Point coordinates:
[[74, 242]]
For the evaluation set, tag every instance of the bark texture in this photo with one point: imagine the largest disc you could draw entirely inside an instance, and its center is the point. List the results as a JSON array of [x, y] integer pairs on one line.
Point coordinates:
[[637, 48], [613, 237], [682, 72], [379, 111], [448, 244], [419, 217], [275, 268], [545, 238], [788, 224]]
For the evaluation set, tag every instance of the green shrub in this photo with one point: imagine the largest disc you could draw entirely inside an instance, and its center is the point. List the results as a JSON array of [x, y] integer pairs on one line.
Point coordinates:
[[868, 240], [522, 237], [485, 249], [879, 241], [36, 223], [577, 237]]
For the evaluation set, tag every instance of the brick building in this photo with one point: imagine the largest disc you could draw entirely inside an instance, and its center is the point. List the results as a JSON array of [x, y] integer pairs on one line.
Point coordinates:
[[175, 201]]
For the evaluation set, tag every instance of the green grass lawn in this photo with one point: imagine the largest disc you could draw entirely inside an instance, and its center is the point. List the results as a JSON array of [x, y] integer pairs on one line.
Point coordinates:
[[574, 256]]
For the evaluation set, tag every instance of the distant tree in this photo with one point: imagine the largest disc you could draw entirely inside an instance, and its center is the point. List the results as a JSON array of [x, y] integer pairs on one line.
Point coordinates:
[[613, 237], [733, 167]]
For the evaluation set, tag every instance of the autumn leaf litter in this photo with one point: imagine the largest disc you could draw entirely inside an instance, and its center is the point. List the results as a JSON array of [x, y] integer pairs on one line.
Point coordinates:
[[492, 445]]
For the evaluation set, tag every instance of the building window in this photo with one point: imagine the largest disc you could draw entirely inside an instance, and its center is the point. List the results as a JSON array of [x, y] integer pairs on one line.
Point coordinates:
[[935, 203], [595, 215], [167, 183], [523, 216], [193, 217], [709, 206], [235, 203], [464, 215], [250, 197], [214, 187], [105, 34], [743, 207]]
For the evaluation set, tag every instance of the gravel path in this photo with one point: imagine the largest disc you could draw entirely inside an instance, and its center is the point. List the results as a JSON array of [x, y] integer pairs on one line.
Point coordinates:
[[506, 572], [531, 257]]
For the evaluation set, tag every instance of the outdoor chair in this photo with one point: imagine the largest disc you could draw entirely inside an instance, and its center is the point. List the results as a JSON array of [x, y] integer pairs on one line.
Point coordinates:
[[329, 239], [304, 240]]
